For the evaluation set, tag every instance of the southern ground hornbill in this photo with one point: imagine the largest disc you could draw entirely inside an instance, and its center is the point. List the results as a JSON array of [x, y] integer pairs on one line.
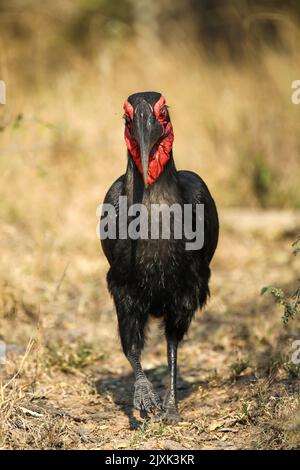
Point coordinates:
[[158, 277]]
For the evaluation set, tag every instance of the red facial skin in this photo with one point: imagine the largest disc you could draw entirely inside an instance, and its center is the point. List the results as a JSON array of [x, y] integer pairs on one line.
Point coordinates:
[[160, 153]]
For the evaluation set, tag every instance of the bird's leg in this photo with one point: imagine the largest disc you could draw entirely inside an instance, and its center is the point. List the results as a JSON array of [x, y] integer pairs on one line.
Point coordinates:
[[171, 414], [145, 398], [132, 334]]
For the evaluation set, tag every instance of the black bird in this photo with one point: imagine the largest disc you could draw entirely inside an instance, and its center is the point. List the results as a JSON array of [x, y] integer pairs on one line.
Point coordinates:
[[156, 276]]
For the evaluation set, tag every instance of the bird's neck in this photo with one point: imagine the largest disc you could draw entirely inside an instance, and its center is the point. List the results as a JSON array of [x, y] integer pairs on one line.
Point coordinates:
[[134, 185]]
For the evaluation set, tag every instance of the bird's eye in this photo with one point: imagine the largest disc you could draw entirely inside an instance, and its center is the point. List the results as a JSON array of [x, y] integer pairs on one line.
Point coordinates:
[[163, 112], [127, 118]]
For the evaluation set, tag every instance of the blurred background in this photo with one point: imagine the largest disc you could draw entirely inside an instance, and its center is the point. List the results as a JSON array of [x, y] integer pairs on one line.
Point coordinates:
[[226, 69]]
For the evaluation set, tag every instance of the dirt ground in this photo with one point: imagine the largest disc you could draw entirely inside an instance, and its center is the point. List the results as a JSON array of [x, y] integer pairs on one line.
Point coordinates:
[[70, 387]]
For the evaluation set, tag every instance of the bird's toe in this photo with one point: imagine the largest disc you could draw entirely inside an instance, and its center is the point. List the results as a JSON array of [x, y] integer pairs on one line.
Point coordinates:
[[169, 417], [145, 398], [170, 413], [172, 417]]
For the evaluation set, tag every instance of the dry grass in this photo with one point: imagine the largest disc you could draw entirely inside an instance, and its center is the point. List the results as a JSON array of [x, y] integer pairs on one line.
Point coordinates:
[[61, 146], [72, 387]]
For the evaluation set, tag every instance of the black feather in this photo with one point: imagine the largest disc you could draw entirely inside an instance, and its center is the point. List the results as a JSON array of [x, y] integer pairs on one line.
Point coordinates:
[[159, 277]]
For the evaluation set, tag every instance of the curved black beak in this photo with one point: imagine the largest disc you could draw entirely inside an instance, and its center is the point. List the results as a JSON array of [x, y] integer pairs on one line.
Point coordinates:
[[146, 130]]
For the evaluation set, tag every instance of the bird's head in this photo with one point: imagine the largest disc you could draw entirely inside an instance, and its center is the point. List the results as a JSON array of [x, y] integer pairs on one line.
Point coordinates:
[[148, 133]]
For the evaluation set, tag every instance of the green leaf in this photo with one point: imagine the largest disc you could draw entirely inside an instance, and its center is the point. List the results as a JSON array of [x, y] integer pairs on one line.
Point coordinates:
[[266, 290]]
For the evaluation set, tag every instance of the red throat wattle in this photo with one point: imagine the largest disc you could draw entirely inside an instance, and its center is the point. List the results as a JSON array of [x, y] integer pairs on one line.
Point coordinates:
[[160, 154]]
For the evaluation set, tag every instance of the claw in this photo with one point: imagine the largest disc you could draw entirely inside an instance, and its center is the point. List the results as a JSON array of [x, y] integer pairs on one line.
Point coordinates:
[[145, 398], [172, 417], [168, 417], [170, 413]]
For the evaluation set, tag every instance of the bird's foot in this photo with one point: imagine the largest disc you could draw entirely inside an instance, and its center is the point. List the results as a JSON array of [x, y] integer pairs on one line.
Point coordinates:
[[169, 413], [169, 416], [145, 398]]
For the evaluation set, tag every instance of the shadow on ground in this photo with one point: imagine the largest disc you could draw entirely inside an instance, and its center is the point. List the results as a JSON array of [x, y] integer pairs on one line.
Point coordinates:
[[121, 390]]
